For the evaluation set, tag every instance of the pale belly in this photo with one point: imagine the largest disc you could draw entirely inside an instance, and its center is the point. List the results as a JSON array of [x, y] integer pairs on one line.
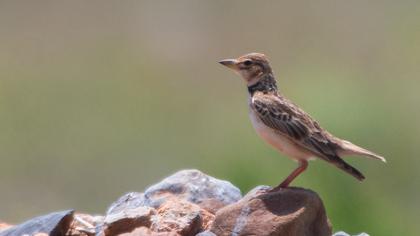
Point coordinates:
[[278, 141]]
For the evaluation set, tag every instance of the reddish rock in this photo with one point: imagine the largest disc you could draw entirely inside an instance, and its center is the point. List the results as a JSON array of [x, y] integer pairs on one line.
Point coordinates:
[[143, 231], [184, 218], [84, 224], [290, 211], [4, 226], [127, 220], [207, 219], [211, 205]]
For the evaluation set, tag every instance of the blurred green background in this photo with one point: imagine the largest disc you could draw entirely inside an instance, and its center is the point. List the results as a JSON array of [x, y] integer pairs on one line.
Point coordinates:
[[98, 98]]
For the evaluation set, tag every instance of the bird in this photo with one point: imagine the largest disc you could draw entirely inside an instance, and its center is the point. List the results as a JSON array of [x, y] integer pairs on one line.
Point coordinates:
[[285, 126]]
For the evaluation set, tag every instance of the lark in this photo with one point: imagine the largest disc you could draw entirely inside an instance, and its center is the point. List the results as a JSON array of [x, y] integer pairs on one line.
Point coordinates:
[[285, 126]]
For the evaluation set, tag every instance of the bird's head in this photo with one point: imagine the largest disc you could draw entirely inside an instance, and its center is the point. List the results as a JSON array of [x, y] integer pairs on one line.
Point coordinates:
[[251, 66]]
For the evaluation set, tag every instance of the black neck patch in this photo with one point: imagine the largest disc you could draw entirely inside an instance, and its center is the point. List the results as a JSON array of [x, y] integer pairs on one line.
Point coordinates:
[[254, 88], [265, 85]]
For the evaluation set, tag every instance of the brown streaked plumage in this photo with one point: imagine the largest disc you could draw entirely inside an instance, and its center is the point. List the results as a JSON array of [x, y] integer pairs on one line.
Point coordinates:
[[285, 126]]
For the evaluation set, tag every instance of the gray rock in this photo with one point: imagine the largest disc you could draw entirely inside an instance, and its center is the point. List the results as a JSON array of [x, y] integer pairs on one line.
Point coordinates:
[[193, 186], [189, 185], [184, 202], [85, 224], [54, 224], [341, 233], [127, 220], [128, 201], [206, 233]]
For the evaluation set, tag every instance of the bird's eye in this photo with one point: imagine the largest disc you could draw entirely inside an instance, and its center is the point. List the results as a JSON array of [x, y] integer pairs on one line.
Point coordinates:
[[247, 62]]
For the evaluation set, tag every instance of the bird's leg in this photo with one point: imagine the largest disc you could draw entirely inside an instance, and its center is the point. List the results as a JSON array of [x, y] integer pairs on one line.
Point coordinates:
[[303, 164]]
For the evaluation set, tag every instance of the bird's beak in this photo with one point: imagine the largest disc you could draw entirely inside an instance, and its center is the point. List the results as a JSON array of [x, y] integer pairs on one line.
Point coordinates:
[[231, 63]]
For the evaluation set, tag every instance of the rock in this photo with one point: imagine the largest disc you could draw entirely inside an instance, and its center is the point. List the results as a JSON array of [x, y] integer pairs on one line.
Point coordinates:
[[256, 191], [185, 203], [175, 216], [207, 219], [190, 185], [190, 203], [126, 220], [290, 211], [341, 233], [193, 186], [128, 201], [143, 231], [54, 224], [206, 233], [4, 226], [182, 217], [84, 224]]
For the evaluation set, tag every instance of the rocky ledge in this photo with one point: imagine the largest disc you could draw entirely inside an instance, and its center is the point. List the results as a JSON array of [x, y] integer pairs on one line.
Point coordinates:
[[192, 203]]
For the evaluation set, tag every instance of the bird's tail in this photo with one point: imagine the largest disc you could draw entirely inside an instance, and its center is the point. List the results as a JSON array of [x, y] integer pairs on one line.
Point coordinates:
[[341, 164], [349, 148]]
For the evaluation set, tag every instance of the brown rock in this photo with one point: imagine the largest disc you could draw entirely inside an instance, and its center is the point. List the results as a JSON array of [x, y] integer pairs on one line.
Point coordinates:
[[4, 226], [290, 211], [143, 231], [182, 217], [84, 224], [211, 205], [207, 219], [127, 220]]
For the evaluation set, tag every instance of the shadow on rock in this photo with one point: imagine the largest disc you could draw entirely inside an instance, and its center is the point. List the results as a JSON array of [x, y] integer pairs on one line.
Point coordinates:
[[291, 211]]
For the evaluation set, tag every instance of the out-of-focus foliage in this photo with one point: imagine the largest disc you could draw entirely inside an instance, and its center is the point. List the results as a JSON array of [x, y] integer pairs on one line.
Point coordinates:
[[98, 98]]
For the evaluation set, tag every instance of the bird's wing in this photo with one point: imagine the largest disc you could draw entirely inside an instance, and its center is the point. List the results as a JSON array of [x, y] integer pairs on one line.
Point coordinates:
[[289, 120], [278, 114], [286, 118]]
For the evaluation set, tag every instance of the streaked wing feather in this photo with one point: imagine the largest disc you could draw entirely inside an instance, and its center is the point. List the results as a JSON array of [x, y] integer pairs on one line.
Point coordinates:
[[289, 120], [272, 115], [286, 118]]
